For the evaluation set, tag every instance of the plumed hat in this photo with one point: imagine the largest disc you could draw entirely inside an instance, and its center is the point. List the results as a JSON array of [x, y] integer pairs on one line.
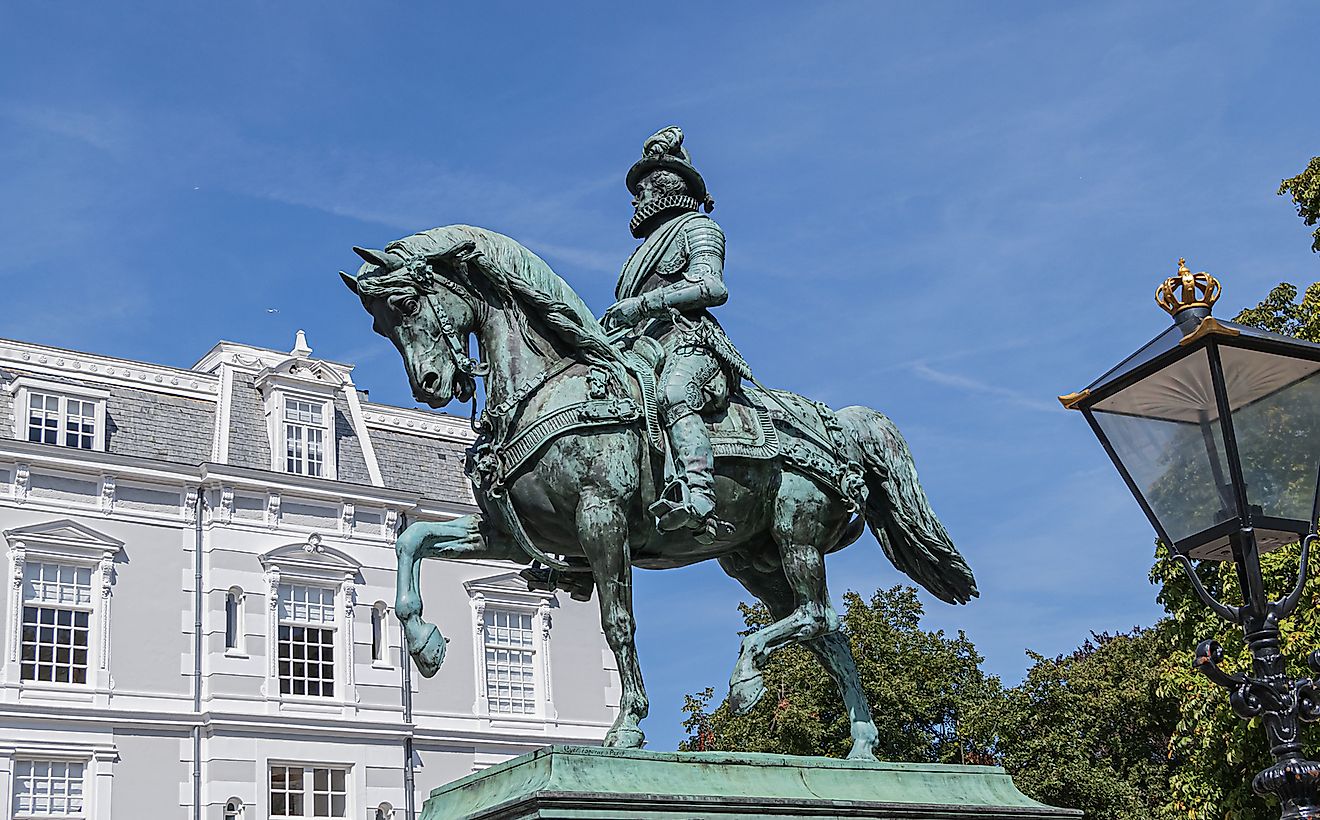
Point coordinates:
[[664, 152]]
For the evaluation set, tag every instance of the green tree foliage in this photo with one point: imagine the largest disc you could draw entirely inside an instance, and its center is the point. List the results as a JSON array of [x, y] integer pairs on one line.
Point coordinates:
[[925, 686], [1091, 730], [1123, 728], [1087, 730], [1305, 192]]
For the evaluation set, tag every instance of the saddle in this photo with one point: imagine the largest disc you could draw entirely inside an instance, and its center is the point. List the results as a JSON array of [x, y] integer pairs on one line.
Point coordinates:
[[757, 423], [743, 428]]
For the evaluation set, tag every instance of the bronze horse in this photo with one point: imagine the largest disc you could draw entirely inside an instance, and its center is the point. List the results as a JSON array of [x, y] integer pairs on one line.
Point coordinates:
[[583, 494]]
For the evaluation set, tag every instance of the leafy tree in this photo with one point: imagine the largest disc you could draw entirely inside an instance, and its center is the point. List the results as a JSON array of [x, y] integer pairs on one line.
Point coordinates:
[[1091, 730], [1305, 192], [1086, 730], [925, 687]]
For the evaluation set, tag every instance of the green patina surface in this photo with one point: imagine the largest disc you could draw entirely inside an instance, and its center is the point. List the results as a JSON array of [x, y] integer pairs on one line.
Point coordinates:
[[595, 452], [591, 782]]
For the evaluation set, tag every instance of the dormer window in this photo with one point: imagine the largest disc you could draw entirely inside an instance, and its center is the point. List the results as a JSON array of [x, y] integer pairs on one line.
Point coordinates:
[[304, 437], [61, 414], [300, 395]]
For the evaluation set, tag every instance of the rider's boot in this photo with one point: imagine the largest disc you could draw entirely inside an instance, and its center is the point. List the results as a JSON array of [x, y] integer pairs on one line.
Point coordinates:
[[689, 500]]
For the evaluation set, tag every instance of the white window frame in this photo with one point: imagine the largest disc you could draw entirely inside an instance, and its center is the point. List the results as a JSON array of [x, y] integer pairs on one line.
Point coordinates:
[[313, 564], [305, 430], [61, 570], [239, 649], [98, 762], [501, 592], [72, 544], [312, 596], [302, 380], [23, 386], [381, 615], [309, 787]]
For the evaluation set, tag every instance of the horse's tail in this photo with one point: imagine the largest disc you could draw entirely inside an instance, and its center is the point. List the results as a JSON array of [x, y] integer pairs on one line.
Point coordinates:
[[899, 512]]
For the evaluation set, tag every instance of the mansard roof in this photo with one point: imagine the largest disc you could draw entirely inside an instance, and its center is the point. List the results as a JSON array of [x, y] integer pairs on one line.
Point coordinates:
[[217, 412]]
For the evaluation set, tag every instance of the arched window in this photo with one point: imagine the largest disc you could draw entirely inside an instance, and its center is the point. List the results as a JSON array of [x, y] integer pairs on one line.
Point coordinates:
[[384, 811], [234, 621], [380, 638], [233, 809]]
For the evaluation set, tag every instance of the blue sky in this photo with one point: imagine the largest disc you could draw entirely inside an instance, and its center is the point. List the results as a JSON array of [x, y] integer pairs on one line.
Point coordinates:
[[952, 212]]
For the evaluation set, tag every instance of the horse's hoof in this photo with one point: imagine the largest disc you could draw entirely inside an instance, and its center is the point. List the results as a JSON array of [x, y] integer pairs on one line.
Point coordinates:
[[625, 738], [744, 694], [432, 654], [863, 752]]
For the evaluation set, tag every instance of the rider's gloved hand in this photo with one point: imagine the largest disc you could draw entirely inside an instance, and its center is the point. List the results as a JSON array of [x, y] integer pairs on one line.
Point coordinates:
[[623, 313]]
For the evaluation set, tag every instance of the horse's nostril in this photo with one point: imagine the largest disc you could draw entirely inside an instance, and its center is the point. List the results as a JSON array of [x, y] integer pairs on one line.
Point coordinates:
[[429, 380]]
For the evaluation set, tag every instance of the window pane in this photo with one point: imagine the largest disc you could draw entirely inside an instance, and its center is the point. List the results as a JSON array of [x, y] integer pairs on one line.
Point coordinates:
[[44, 788], [1166, 431], [510, 662], [1275, 403], [54, 637]]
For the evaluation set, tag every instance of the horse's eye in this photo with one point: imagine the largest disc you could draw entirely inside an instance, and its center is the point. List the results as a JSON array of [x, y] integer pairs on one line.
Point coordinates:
[[409, 305]]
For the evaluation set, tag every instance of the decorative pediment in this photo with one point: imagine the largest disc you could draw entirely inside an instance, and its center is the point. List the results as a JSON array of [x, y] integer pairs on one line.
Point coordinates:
[[312, 558], [65, 535], [300, 373], [507, 587]]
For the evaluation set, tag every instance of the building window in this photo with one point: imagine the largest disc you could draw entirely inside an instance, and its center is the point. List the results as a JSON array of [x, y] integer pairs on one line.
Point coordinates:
[[304, 437], [306, 640], [308, 791], [234, 621], [510, 662], [70, 421], [380, 640], [57, 613], [48, 788]]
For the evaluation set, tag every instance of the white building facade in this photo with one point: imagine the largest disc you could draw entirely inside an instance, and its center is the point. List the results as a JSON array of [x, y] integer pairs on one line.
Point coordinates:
[[198, 620]]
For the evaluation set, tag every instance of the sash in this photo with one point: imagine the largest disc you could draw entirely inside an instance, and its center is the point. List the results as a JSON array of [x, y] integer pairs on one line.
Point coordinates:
[[647, 256]]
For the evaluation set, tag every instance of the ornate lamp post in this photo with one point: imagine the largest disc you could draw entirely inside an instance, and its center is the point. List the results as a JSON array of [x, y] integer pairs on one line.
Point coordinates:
[[1215, 428]]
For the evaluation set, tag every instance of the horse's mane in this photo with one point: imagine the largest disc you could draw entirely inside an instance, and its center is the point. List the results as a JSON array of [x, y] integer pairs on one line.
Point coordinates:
[[513, 270]]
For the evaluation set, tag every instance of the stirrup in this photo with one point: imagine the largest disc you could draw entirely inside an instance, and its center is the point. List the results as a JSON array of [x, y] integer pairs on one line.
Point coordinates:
[[675, 510]]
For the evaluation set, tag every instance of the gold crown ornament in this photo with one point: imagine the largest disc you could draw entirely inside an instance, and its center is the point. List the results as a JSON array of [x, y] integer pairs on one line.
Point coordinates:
[[1187, 290]]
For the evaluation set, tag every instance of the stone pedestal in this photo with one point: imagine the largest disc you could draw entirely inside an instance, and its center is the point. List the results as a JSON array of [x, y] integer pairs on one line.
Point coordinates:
[[591, 783]]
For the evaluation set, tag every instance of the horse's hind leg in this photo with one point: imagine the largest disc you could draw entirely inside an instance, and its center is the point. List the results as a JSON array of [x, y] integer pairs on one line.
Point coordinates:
[[831, 649], [459, 538], [603, 532]]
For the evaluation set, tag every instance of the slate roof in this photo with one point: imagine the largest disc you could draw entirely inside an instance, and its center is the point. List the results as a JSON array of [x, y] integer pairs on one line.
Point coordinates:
[[435, 467], [163, 426]]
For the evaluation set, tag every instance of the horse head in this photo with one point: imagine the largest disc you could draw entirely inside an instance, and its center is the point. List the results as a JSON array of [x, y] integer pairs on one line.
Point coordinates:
[[421, 304]]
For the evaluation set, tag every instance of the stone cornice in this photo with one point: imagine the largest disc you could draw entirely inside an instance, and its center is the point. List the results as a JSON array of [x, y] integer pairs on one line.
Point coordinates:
[[417, 422], [107, 370]]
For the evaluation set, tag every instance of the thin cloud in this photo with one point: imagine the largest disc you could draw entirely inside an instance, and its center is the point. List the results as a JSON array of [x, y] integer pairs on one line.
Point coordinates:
[[967, 384]]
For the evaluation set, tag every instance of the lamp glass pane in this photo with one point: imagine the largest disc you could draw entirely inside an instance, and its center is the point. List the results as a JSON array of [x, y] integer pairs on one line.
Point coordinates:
[[1164, 430], [1275, 405]]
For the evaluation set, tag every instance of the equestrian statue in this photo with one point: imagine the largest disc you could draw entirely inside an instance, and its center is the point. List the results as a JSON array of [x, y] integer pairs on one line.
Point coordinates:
[[642, 440]]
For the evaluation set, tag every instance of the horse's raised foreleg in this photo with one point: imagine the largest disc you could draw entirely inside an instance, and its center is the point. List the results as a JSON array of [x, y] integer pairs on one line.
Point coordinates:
[[804, 520], [459, 538], [603, 531]]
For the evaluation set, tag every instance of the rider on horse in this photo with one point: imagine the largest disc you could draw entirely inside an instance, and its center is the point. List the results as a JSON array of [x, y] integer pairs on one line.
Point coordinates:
[[665, 291]]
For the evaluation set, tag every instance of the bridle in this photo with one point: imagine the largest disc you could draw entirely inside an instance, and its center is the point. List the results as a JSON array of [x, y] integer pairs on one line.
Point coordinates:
[[422, 272]]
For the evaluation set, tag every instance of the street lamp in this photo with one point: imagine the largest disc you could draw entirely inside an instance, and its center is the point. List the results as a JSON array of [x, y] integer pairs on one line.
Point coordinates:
[[1215, 428]]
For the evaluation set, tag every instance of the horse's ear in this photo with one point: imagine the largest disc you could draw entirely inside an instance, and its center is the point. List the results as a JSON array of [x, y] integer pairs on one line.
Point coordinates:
[[378, 258], [351, 281], [462, 252]]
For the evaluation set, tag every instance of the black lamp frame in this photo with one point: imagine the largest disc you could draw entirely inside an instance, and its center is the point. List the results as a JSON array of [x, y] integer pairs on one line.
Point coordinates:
[[1282, 704]]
